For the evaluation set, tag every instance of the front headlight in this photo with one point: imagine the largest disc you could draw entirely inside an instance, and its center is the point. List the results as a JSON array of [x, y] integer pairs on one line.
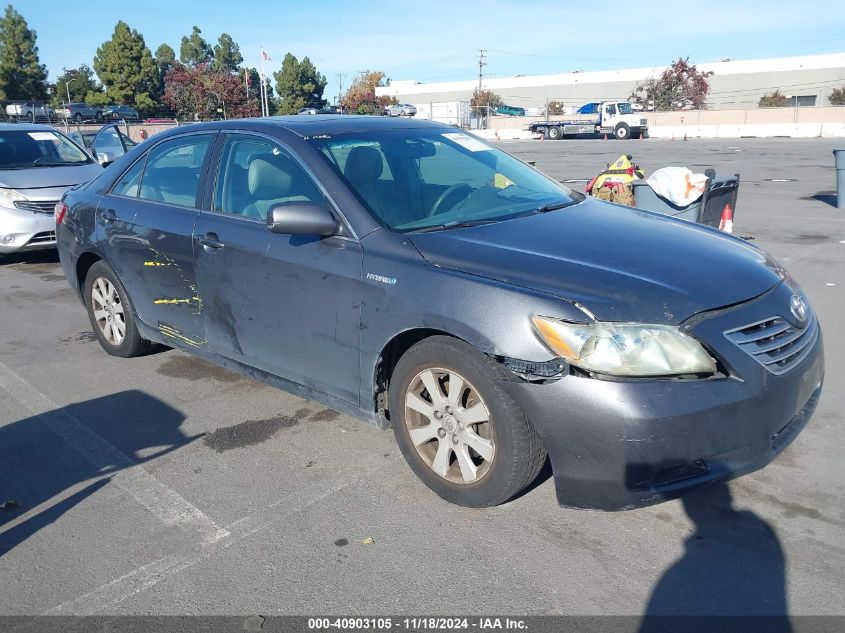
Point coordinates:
[[8, 197], [625, 349]]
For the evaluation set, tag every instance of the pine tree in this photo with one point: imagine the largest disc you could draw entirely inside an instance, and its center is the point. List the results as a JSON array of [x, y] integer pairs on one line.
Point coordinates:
[[298, 84], [194, 49], [227, 54], [127, 69], [21, 74]]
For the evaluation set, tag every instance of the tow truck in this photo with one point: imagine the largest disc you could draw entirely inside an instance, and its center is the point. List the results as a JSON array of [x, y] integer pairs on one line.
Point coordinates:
[[612, 117]]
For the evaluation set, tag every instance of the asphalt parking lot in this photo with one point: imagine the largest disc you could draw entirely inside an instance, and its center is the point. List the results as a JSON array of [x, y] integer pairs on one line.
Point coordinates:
[[164, 485]]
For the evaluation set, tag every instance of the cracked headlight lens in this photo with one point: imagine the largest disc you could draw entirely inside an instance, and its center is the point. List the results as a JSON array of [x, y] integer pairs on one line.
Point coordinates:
[[625, 349]]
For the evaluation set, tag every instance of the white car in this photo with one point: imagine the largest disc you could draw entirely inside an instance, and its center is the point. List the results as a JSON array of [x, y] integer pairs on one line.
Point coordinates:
[[37, 165]]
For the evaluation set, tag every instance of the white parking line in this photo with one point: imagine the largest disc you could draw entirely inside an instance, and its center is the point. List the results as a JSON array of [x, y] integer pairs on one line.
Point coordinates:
[[165, 504], [106, 596]]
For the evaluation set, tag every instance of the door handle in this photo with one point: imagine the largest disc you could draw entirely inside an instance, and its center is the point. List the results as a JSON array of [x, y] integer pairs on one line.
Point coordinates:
[[209, 241], [108, 216]]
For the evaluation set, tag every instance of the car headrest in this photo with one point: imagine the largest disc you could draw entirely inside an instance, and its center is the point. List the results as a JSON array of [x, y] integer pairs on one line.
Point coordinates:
[[364, 164], [267, 177]]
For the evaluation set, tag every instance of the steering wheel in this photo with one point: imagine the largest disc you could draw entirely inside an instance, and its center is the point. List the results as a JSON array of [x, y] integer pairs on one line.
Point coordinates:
[[459, 192]]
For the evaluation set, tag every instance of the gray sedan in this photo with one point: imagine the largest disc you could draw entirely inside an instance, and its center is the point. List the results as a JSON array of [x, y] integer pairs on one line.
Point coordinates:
[[414, 276], [401, 109], [37, 165]]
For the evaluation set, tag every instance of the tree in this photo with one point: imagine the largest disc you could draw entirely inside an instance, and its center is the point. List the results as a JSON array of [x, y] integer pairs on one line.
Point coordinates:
[[127, 69], [194, 49], [80, 84], [556, 108], [227, 54], [837, 97], [361, 97], [482, 102], [21, 74], [774, 100], [681, 86], [165, 58], [201, 92], [298, 84]]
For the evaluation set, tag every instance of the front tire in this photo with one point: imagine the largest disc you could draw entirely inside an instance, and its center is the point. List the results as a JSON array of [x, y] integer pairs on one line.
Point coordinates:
[[111, 313], [622, 132], [460, 433]]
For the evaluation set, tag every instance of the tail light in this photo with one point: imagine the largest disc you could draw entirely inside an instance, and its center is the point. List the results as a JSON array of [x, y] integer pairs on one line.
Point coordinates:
[[60, 211]]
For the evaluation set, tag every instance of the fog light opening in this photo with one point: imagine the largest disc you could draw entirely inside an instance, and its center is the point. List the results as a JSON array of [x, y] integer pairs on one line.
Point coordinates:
[[680, 472]]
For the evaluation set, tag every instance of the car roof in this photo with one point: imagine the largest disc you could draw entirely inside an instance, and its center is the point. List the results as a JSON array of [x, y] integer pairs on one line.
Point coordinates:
[[326, 124], [26, 127]]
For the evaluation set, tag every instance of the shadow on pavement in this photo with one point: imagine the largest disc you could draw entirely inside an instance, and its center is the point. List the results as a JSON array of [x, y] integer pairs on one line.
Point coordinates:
[[733, 565], [37, 464], [50, 256]]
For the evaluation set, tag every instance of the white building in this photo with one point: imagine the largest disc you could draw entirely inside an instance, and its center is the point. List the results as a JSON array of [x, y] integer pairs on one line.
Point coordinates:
[[808, 80]]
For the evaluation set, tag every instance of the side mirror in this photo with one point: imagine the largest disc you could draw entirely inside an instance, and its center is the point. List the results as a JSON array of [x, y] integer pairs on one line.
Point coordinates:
[[301, 218], [105, 158]]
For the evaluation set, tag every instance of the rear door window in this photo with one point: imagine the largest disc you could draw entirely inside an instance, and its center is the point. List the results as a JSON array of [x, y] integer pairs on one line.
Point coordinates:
[[174, 169]]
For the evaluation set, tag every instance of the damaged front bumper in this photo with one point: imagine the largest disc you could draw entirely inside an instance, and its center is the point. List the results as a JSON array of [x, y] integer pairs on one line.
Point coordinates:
[[617, 445]]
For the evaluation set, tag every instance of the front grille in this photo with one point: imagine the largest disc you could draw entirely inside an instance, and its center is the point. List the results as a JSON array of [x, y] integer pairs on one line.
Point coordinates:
[[43, 238], [775, 343], [643, 121], [36, 206]]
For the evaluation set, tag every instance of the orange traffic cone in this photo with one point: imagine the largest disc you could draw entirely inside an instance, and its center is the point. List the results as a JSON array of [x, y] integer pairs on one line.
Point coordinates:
[[605, 136], [726, 224]]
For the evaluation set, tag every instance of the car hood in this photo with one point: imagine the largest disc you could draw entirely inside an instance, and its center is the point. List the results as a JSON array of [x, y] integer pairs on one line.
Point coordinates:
[[48, 177], [622, 264]]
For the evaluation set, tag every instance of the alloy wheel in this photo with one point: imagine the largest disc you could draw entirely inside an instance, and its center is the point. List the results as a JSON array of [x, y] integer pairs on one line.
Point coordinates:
[[108, 311], [449, 425]]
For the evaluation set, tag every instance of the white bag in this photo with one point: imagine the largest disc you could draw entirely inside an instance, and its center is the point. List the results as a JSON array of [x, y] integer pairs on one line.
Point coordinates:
[[678, 185]]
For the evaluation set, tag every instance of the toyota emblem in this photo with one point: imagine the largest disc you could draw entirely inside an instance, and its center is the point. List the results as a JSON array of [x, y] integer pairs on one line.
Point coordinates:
[[798, 308]]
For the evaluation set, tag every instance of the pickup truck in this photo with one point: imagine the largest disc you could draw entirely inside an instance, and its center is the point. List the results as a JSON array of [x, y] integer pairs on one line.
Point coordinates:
[[29, 111], [612, 117]]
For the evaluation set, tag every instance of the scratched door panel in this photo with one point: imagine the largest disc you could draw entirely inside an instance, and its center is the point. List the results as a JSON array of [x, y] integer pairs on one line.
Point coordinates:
[[286, 304]]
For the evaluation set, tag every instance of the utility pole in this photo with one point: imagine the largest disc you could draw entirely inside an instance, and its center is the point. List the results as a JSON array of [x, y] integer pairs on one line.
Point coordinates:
[[482, 62], [340, 78]]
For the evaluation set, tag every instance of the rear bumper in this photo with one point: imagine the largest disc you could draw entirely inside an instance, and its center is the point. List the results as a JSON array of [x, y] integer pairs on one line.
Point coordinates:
[[622, 445], [26, 231]]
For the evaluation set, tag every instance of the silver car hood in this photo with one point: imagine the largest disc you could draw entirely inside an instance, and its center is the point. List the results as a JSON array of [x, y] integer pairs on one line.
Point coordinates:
[[48, 177]]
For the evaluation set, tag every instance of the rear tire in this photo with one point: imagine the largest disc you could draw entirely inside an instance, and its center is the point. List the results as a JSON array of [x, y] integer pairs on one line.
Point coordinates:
[[111, 313], [472, 444], [77, 118], [553, 133]]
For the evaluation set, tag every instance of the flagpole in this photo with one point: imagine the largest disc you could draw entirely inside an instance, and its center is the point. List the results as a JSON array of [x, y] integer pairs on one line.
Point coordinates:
[[263, 105]]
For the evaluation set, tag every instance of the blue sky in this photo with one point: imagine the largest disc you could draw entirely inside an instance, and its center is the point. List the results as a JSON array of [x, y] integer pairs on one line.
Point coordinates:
[[436, 40]]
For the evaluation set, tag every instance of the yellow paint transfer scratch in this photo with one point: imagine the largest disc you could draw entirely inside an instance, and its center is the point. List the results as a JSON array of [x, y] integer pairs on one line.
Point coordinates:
[[173, 333], [172, 301], [157, 264]]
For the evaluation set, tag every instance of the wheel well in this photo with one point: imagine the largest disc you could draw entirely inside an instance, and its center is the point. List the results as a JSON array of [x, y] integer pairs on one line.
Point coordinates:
[[389, 356], [83, 265]]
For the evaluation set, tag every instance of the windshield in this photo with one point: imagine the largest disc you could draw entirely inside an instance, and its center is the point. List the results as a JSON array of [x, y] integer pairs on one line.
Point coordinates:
[[413, 179], [22, 149], [625, 108]]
